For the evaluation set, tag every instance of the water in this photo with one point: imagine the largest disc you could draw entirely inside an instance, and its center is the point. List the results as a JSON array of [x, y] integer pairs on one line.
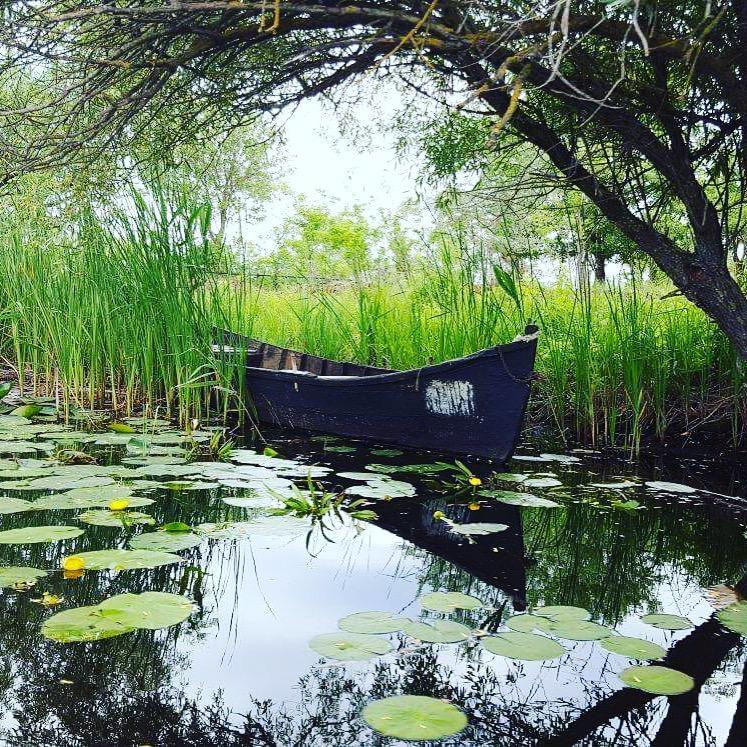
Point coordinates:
[[240, 670]]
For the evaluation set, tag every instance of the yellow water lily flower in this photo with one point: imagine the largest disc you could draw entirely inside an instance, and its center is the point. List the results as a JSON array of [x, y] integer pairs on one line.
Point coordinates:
[[475, 481], [73, 563], [439, 515], [118, 504], [49, 600], [474, 506]]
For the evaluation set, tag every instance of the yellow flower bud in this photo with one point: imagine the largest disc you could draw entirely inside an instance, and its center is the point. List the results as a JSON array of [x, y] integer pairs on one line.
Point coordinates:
[[474, 506], [73, 563], [119, 504], [475, 481], [439, 515]]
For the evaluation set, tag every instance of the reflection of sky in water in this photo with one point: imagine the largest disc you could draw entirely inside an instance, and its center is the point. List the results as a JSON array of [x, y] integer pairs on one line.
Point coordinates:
[[265, 599]]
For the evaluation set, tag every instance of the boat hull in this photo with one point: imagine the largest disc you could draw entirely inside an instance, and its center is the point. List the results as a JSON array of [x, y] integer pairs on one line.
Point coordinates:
[[470, 406]]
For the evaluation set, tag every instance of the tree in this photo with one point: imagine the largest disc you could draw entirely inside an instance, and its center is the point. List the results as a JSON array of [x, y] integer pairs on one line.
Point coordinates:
[[642, 93]]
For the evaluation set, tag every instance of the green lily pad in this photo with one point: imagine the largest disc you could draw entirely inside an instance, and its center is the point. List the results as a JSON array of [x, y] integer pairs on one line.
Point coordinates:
[[82, 624], [563, 612], [579, 630], [514, 498], [33, 535], [734, 617], [22, 448], [349, 646], [527, 623], [667, 622], [121, 428], [414, 717], [67, 482], [418, 469], [5, 388], [13, 421], [226, 530], [621, 485], [657, 680], [441, 631], [165, 541], [371, 622], [120, 560], [542, 482], [524, 646], [633, 648], [448, 601], [105, 518], [383, 489], [478, 528], [387, 452], [26, 411], [10, 505], [510, 477], [669, 487], [150, 610], [15, 575], [341, 449]]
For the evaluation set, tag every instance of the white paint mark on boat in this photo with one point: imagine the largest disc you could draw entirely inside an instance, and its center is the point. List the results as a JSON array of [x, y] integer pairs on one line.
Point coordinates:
[[450, 397]]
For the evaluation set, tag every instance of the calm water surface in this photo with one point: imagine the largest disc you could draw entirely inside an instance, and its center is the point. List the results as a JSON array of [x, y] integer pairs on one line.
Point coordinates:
[[240, 670]]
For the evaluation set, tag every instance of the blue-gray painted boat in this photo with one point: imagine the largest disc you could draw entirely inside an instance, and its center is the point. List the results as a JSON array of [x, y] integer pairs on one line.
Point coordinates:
[[472, 406]]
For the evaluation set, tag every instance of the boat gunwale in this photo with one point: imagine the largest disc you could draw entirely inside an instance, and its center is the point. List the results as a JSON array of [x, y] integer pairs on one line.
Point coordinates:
[[451, 365]]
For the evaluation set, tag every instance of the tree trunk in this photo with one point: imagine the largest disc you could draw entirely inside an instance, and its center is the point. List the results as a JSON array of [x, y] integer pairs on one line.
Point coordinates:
[[600, 269]]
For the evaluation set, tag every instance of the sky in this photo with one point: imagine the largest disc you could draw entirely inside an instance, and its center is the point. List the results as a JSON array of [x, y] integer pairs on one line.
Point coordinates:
[[331, 169]]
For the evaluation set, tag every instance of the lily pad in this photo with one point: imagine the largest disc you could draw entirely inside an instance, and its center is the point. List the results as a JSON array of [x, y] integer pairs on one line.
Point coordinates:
[[524, 646], [67, 482], [633, 648], [478, 528], [579, 630], [225, 530], [372, 622], [563, 612], [82, 624], [106, 518], [621, 485], [528, 623], [414, 717], [34, 535], [542, 482], [119, 560], [150, 610], [383, 489], [669, 487], [667, 622], [349, 646], [448, 601], [165, 541], [441, 631], [15, 575], [418, 469], [341, 449], [26, 411], [734, 617], [510, 477], [387, 452], [515, 498], [10, 505], [657, 680]]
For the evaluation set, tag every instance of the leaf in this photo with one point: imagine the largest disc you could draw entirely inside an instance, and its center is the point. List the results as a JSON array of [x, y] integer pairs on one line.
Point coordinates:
[[118, 560], [33, 535], [667, 622], [106, 518], [562, 612], [383, 489], [165, 541], [340, 449], [510, 477], [633, 648], [386, 452], [669, 487], [524, 646], [81, 624], [441, 631], [423, 469], [542, 482], [734, 617], [513, 498], [10, 505], [150, 610], [448, 601], [14, 575], [121, 428], [579, 630], [527, 623], [478, 528], [349, 646], [414, 717], [226, 530], [657, 680], [5, 388], [372, 622], [176, 526], [621, 485], [26, 411]]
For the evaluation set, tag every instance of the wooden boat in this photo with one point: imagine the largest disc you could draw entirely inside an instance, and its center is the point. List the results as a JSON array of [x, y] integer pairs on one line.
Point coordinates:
[[473, 405]]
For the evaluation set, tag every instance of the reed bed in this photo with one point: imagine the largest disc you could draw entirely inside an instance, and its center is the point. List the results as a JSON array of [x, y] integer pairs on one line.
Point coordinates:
[[120, 314]]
